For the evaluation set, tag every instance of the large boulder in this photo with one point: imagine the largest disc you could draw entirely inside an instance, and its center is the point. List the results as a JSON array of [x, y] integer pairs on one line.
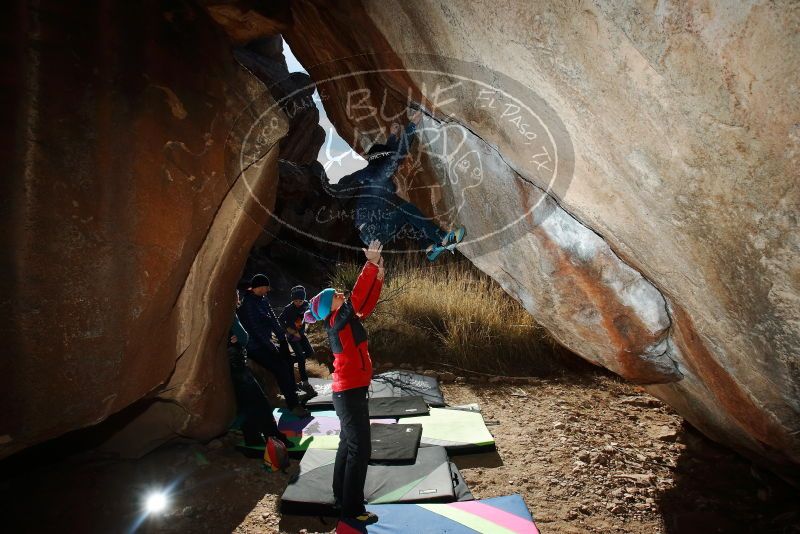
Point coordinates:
[[664, 245], [134, 187], [626, 171]]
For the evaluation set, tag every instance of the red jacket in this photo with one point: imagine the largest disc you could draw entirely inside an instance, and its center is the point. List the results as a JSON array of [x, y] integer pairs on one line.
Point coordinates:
[[352, 366]]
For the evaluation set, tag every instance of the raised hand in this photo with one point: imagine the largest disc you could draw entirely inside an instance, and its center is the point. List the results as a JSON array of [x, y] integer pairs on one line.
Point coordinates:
[[373, 254]]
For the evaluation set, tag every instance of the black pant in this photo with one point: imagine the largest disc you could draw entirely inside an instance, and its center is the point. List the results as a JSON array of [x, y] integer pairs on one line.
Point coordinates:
[[253, 404], [281, 369], [352, 457], [302, 350]]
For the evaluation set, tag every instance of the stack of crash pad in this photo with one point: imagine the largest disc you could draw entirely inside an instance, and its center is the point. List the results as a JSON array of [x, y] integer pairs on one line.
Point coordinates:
[[411, 483], [400, 471], [428, 479]]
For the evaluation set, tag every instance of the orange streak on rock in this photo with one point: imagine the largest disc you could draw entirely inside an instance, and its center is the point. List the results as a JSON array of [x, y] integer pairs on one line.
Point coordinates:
[[621, 325], [733, 400]]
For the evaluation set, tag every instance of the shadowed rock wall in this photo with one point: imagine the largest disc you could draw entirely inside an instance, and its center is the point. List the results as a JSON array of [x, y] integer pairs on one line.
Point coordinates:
[[126, 216]]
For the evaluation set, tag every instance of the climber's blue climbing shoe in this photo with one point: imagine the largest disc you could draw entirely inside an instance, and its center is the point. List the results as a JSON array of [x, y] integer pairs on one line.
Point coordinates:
[[436, 251], [454, 237]]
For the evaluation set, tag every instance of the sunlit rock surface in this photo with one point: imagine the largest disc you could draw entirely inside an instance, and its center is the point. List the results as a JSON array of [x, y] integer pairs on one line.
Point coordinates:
[[669, 254]]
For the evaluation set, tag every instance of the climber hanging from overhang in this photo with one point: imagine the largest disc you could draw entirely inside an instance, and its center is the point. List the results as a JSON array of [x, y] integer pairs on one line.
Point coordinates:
[[380, 212]]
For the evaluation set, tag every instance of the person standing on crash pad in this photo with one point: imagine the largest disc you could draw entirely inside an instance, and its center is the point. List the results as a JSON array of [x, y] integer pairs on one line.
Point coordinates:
[[352, 373]]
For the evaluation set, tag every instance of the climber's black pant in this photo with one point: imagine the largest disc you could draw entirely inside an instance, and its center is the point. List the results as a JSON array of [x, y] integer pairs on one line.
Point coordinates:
[[395, 217], [252, 403], [281, 369], [302, 351], [352, 457]]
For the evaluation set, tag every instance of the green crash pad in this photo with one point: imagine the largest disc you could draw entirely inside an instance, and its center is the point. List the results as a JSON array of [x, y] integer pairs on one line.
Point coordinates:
[[458, 431]]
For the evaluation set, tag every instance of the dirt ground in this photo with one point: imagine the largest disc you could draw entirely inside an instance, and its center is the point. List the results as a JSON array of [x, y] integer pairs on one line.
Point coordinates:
[[587, 455]]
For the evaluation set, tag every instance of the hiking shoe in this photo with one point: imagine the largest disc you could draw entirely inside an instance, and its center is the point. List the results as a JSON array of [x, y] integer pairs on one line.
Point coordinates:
[[299, 411], [454, 237], [367, 518]]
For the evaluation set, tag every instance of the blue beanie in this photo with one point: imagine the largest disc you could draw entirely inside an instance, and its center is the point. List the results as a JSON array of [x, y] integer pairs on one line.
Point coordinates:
[[321, 303]]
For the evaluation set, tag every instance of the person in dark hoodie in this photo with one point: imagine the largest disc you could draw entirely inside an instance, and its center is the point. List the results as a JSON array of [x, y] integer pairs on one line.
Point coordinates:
[[352, 373], [292, 319], [251, 401], [260, 322], [380, 213]]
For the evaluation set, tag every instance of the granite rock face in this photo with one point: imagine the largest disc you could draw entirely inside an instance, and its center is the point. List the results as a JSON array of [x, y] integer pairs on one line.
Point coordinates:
[[666, 250], [626, 170], [133, 193]]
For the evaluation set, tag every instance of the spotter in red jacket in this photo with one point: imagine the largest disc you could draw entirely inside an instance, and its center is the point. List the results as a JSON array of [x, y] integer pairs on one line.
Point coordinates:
[[352, 366]]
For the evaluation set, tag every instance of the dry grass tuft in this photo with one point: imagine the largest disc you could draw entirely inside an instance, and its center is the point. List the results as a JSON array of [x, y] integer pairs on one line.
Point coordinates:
[[452, 313]]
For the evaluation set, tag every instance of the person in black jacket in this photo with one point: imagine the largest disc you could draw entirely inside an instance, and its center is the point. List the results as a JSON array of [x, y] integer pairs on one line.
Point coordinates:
[[260, 322], [251, 401], [292, 319]]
